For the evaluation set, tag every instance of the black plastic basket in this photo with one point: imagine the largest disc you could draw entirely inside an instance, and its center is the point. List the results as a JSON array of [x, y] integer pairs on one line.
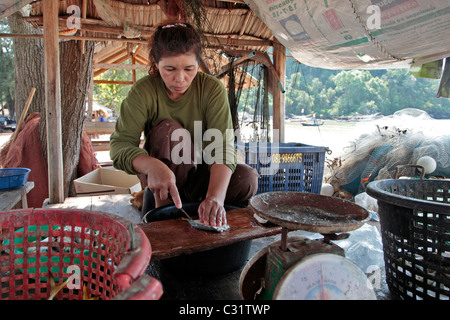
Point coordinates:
[[415, 227]]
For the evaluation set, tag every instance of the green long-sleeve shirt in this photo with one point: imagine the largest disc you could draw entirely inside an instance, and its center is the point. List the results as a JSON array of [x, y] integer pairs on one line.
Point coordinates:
[[148, 103]]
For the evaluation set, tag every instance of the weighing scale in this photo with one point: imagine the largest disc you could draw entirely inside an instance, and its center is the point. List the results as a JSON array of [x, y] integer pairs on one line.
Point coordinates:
[[301, 268]]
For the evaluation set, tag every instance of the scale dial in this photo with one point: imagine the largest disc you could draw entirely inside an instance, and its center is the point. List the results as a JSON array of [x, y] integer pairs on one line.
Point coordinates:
[[324, 276]]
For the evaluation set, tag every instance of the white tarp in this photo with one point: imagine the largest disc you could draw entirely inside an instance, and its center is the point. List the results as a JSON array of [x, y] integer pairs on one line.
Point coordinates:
[[8, 7], [367, 34], [98, 107]]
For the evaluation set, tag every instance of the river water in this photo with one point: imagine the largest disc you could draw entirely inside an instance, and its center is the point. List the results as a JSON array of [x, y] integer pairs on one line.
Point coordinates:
[[336, 135]]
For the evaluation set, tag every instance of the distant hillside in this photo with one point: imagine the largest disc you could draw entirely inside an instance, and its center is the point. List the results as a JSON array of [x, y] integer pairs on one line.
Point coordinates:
[[335, 93]]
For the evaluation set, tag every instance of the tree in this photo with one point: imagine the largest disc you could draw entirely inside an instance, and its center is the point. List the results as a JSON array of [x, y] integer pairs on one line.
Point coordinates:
[[407, 91], [351, 90], [378, 93], [344, 92], [76, 70], [6, 73]]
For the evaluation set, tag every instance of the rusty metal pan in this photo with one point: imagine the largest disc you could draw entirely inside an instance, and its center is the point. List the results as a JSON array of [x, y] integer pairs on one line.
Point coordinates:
[[308, 211]]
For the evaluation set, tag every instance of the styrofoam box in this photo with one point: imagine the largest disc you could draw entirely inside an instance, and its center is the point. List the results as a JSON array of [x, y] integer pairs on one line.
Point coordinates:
[[106, 181]]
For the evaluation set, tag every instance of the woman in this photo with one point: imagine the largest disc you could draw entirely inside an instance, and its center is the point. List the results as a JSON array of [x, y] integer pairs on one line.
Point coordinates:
[[176, 96]]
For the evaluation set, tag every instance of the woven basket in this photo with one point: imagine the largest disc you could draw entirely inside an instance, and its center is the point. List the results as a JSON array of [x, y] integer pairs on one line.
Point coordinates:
[[415, 229], [101, 256]]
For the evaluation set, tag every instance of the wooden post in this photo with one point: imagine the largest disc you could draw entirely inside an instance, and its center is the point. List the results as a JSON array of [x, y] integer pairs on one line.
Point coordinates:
[[90, 96], [279, 61], [133, 61], [83, 15], [53, 102]]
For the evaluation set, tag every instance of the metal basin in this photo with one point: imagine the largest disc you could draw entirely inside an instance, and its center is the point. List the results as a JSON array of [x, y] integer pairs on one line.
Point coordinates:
[[310, 212]]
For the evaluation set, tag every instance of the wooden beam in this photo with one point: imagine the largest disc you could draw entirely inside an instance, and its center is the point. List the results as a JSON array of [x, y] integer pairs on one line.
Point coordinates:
[[120, 66], [224, 40], [258, 57], [214, 40], [275, 74], [279, 61], [53, 102], [240, 60], [98, 127], [113, 82], [61, 37], [115, 58], [141, 60], [204, 67], [90, 25], [119, 60], [112, 56]]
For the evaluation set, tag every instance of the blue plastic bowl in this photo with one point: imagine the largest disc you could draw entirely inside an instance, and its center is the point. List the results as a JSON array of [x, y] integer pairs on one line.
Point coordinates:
[[11, 178]]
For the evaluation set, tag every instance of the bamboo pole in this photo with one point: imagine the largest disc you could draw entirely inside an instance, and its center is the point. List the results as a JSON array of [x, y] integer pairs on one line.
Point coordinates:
[[279, 62], [53, 102], [23, 115], [21, 120]]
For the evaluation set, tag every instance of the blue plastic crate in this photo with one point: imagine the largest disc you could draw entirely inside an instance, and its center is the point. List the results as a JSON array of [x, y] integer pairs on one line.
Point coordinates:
[[285, 166], [11, 178]]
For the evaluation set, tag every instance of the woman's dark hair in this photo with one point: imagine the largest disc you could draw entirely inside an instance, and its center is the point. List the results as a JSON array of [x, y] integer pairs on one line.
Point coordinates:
[[173, 38]]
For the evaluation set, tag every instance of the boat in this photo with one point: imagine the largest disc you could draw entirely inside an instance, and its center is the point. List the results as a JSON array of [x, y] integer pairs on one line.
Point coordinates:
[[314, 123]]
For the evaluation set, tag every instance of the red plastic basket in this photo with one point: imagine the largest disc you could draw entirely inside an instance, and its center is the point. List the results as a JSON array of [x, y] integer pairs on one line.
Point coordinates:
[[101, 255]]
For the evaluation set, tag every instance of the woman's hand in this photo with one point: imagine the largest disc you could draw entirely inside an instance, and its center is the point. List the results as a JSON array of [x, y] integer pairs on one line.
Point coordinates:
[[160, 179], [211, 212]]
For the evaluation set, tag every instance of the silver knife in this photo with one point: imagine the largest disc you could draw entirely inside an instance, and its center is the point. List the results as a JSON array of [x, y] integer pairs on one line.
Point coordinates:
[[189, 217]]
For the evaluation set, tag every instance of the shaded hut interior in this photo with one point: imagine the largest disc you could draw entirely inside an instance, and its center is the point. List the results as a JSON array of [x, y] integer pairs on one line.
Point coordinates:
[[234, 37]]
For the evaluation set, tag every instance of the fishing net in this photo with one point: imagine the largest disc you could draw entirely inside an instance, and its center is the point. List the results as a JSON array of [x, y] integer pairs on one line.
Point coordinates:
[[247, 84], [404, 138]]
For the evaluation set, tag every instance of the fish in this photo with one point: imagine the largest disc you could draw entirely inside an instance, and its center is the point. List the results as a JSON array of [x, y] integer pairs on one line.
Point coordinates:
[[198, 225]]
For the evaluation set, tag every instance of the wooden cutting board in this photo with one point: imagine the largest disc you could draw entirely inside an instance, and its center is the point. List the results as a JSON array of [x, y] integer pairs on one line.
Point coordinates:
[[171, 238]]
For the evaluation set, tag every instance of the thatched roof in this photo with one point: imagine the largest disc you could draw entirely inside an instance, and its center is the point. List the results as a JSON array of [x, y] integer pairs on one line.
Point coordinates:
[[226, 25], [332, 35]]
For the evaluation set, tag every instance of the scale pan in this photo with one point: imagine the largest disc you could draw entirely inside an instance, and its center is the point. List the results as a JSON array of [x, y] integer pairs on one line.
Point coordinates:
[[308, 211]]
